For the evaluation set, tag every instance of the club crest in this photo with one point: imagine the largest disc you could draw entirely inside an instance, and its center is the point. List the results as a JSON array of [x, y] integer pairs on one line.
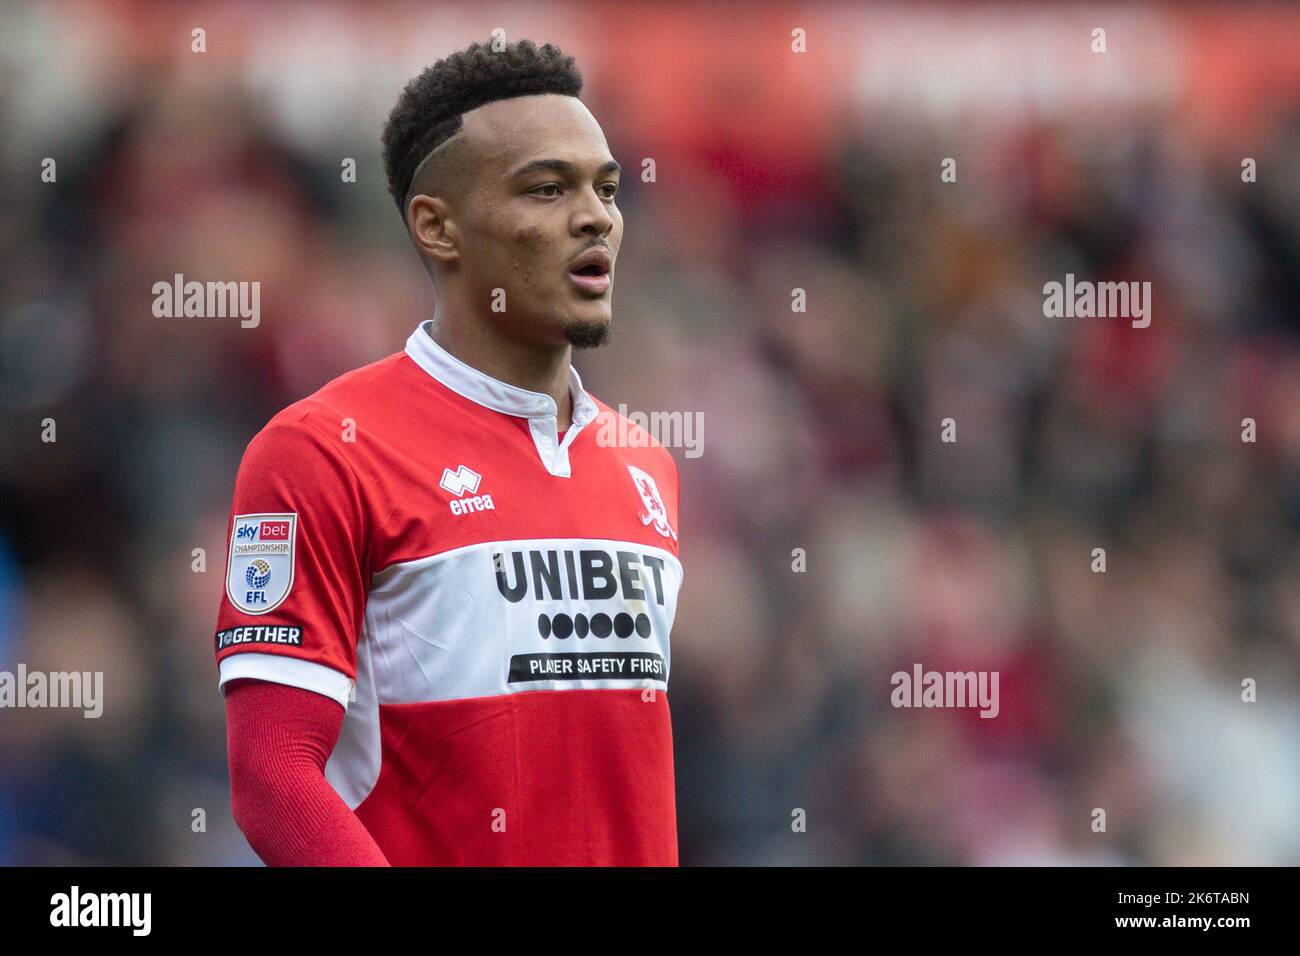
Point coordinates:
[[655, 513]]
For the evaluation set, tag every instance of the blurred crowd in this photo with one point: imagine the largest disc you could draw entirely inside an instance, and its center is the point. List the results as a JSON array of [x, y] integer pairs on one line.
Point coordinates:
[[1120, 690]]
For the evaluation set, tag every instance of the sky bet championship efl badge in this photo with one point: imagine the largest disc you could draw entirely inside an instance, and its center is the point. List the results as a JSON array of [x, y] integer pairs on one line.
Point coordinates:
[[260, 570]]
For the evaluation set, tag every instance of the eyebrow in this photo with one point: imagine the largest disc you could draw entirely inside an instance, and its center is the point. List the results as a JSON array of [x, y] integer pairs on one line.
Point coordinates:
[[562, 166]]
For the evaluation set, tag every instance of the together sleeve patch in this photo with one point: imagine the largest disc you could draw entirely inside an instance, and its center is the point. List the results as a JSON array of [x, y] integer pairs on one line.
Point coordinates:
[[290, 634]]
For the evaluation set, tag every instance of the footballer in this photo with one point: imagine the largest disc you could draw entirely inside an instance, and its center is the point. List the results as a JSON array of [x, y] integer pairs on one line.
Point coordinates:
[[444, 633]]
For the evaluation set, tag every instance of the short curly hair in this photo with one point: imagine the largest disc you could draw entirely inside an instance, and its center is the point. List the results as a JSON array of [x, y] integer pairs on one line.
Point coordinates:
[[429, 111]]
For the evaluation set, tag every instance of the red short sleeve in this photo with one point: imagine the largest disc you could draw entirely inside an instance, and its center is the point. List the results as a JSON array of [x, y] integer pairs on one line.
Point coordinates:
[[296, 561]]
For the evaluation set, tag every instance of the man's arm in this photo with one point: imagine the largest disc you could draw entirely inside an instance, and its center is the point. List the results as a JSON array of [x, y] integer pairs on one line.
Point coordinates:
[[278, 740]]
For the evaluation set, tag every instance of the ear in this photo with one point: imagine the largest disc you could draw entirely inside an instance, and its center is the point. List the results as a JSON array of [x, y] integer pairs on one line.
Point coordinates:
[[431, 228]]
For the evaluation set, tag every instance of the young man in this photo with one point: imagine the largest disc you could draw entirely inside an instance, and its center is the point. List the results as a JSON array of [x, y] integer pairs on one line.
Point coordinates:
[[444, 637]]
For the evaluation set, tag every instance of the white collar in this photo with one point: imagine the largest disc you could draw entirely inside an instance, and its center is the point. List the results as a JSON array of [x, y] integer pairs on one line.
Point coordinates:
[[492, 393]]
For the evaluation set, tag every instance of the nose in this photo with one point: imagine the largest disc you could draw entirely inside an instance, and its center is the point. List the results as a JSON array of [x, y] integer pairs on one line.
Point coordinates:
[[593, 216]]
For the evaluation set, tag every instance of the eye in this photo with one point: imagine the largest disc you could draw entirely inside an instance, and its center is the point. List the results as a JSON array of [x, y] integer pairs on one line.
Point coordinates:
[[555, 186], [611, 187]]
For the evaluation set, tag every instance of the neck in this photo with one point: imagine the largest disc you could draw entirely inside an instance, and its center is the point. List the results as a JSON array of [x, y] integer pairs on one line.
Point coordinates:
[[483, 345]]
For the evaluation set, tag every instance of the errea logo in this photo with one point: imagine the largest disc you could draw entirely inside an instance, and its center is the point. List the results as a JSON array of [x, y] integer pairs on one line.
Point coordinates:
[[459, 482]]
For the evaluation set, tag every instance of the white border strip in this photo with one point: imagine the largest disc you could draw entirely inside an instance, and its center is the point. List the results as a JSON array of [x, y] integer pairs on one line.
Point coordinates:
[[293, 671]]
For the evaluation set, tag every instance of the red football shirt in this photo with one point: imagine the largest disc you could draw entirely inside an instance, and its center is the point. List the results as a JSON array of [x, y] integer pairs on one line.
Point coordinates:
[[490, 603]]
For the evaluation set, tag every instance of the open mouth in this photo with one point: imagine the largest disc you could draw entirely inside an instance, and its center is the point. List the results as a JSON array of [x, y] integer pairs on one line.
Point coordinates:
[[593, 277]]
